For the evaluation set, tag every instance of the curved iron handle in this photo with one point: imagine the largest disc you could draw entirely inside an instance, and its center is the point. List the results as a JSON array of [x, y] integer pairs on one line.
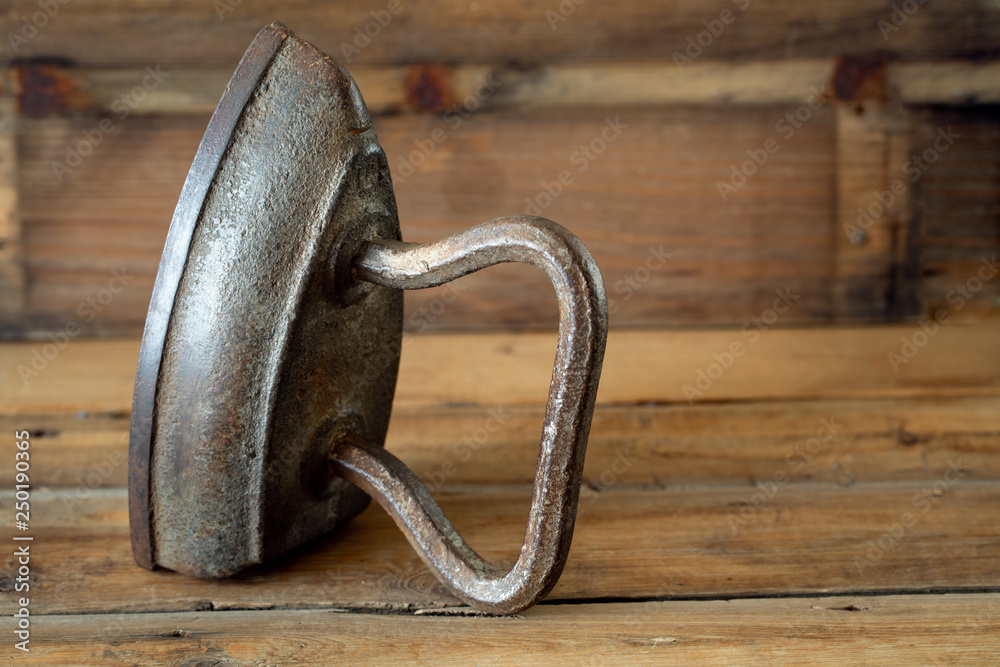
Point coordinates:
[[583, 319]]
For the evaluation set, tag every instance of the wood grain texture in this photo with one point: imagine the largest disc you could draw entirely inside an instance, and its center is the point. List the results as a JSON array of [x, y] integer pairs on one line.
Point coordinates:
[[640, 367], [671, 250], [821, 630], [955, 166], [393, 89], [872, 440], [692, 542], [674, 248], [173, 33]]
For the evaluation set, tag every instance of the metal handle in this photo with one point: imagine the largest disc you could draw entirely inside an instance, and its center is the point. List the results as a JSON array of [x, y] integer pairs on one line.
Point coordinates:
[[583, 318]]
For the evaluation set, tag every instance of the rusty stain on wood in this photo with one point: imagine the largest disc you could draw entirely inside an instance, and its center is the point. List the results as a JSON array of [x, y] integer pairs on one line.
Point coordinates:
[[429, 88], [859, 78], [47, 89]]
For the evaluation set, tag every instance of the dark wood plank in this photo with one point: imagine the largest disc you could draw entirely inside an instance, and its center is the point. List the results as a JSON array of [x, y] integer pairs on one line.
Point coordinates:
[[196, 33], [672, 252], [954, 169]]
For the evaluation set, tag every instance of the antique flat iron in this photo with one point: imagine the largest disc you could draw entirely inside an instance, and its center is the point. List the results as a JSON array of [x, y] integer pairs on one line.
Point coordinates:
[[271, 347]]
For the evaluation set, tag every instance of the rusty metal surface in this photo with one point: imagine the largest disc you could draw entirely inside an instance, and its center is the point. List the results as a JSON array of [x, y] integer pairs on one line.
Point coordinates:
[[271, 348], [261, 365], [575, 376]]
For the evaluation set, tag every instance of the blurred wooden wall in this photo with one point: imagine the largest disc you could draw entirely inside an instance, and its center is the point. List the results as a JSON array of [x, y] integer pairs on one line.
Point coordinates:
[[129, 87]]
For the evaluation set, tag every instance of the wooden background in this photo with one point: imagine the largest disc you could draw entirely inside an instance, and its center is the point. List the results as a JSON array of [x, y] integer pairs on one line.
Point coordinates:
[[674, 558], [63, 234]]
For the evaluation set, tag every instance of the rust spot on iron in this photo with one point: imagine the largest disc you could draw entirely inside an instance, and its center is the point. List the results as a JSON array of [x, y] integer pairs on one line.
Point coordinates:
[[428, 88], [858, 78], [47, 89]]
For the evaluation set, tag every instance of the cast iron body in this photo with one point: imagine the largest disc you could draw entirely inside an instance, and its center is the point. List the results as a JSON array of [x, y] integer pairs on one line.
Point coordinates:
[[271, 347]]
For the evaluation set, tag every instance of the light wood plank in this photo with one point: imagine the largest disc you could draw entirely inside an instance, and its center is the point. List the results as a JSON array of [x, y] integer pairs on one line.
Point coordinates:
[[924, 629], [391, 89], [640, 367], [679, 542], [716, 443]]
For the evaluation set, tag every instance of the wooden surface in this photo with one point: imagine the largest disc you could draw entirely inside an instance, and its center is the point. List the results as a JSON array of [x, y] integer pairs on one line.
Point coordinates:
[[760, 523], [675, 250]]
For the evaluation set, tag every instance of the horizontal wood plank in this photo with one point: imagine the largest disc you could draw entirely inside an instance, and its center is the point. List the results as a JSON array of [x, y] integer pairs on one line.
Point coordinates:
[[831, 441], [394, 89], [646, 203], [924, 629], [196, 33], [691, 542], [640, 367]]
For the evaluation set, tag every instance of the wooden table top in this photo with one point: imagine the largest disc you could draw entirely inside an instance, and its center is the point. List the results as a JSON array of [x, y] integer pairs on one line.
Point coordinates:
[[811, 503]]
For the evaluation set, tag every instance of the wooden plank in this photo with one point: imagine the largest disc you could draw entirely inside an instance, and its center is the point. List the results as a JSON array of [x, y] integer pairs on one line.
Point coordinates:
[[194, 33], [873, 220], [12, 272], [820, 630], [673, 251], [954, 165], [640, 367], [869, 440], [395, 89], [958, 83], [708, 542]]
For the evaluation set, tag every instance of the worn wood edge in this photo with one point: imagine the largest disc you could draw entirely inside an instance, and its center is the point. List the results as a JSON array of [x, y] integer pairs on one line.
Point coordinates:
[[832, 440], [656, 366], [665, 543], [818, 630], [387, 89]]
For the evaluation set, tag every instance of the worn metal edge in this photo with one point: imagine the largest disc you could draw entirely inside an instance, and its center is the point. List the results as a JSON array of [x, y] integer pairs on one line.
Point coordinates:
[[249, 72]]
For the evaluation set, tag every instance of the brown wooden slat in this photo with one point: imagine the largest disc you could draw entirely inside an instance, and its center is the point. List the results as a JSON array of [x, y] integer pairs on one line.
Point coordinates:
[[922, 629], [196, 33], [640, 367], [391, 89], [691, 542], [653, 187], [726, 443], [958, 202]]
